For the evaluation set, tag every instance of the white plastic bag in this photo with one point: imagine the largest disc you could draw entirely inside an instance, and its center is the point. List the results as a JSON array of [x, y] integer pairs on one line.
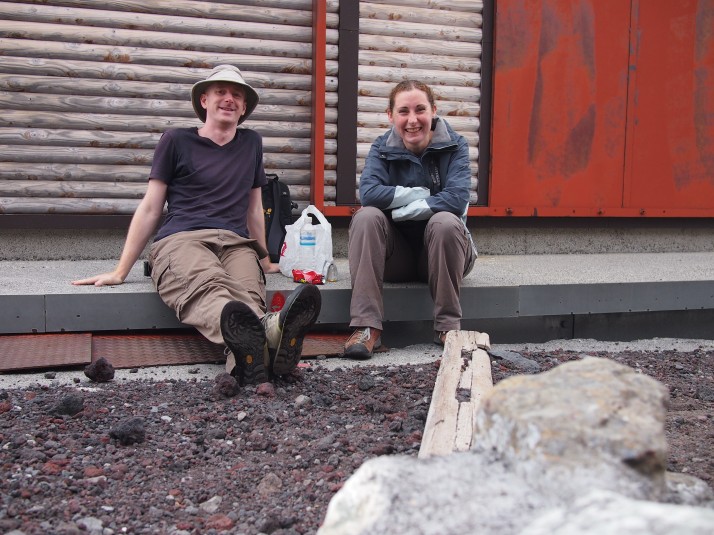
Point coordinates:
[[290, 255]]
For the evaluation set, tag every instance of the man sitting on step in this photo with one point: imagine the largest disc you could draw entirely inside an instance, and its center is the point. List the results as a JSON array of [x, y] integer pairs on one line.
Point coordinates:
[[209, 258]]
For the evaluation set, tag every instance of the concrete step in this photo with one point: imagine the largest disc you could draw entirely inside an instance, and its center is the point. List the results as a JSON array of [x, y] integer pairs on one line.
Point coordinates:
[[513, 298]]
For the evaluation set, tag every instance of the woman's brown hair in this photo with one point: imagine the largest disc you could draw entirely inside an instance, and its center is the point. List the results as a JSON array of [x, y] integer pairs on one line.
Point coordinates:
[[408, 85]]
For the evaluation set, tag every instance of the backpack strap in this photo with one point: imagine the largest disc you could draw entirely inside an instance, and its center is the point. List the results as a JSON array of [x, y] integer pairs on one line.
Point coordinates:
[[275, 232]]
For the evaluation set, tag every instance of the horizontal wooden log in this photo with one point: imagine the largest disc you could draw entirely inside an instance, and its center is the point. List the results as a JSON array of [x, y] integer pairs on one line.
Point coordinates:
[[273, 14], [118, 173], [330, 162], [438, 79], [293, 176], [165, 40], [330, 178], [137, 123], [37, 205], [407, 45], [58, 189], [283, 4], [135, 106], [287, 161], [330, 115], [330, 193], [36, 137], [106, 139], [92, 190], [471, 6], [421, 15], [330, 130], [74, 172], [333, 6], [82, 18], [17, 153], [93, 121], [428, 32], [118, 156], [399, 60], [292, 145], [129, 89], [108, 72], [31, 48]]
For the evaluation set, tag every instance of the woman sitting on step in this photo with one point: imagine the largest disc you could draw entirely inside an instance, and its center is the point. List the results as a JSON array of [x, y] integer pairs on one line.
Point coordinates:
[[414, 191]]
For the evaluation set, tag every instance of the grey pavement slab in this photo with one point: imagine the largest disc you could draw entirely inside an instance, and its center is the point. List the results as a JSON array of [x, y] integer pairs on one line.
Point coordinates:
[[54, 277]]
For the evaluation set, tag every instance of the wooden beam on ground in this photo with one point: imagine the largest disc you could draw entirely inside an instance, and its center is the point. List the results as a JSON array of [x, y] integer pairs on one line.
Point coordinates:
[[465, 372]]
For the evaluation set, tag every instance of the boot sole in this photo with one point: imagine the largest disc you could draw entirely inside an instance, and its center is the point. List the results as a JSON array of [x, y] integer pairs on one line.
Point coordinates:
[[300, 316], [244, 335]]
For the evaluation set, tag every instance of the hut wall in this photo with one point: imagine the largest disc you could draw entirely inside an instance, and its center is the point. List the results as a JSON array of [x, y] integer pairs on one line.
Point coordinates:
[[88, 86], [437, 42]]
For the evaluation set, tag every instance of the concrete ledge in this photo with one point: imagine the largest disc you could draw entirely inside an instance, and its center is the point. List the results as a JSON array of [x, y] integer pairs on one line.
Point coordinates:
[[37, 297]]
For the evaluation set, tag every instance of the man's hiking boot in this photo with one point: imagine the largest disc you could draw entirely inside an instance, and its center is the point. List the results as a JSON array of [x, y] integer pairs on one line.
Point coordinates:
[[286, 330], [244, 335], [362, 343]]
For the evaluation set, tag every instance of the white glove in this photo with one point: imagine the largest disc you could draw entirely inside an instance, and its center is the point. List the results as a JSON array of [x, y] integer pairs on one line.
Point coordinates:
[[403, 196], [413, 211]]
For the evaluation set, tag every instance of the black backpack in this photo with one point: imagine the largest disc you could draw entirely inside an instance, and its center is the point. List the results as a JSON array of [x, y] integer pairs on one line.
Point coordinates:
[[278, 209]]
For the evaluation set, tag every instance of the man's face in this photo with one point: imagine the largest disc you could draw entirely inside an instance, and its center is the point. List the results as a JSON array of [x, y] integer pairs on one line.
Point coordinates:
[[224, 102], [411, 117]]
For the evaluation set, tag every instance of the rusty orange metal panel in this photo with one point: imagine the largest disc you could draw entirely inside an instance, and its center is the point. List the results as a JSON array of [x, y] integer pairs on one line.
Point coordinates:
[[560, 101], [672, 141]]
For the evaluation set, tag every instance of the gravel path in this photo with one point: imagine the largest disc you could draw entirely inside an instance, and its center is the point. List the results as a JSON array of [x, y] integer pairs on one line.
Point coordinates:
[[151, 453]]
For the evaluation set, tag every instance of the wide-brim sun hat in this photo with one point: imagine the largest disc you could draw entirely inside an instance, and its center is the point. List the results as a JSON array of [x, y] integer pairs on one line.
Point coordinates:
[[223, 73]]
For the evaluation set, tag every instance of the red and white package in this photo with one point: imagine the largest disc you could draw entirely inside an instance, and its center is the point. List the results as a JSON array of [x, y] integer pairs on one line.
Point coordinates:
[[307, 277]]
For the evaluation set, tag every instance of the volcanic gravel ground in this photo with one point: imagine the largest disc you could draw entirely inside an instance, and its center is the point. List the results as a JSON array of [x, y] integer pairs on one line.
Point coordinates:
[[199, 456]]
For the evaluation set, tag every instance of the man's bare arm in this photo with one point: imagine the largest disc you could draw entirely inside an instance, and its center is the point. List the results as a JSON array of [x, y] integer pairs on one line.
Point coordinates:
[[142, 226], [256, 227]]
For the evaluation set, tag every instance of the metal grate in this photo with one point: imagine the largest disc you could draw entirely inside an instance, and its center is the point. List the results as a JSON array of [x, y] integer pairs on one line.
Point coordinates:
[[324, 344], [24, 352], [35, 351], [134, 351]]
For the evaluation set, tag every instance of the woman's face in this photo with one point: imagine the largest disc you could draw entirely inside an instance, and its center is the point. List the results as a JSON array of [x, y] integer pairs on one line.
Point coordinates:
[[411, 117]]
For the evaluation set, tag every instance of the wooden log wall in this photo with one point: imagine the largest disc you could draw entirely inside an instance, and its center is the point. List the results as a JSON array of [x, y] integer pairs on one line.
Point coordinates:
[[88, 86], [435, 41]]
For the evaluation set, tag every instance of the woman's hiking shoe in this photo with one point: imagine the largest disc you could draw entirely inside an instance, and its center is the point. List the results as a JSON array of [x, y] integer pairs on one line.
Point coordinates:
[[362, 343], [286, 330], [440, 337], [244, 335]]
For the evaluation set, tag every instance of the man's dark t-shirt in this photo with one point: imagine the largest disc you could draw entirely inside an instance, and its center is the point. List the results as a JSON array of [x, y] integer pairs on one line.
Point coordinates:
[[208, 185]]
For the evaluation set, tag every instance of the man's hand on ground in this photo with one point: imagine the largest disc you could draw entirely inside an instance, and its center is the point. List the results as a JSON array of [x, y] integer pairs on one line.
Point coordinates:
[[105, 279]]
